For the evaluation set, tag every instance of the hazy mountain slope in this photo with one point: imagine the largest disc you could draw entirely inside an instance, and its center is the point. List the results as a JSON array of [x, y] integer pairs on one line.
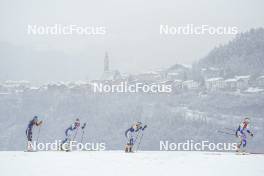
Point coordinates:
[[243, 55]]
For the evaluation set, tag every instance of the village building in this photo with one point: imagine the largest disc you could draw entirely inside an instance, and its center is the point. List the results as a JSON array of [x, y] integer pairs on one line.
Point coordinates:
[[215, 83], [231, 84], [150, 76], [260, 81], [178, 71], [177, 84], [190, 84], [242, 82]]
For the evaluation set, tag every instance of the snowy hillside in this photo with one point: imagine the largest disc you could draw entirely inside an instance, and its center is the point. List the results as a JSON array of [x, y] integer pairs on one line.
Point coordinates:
[[243, 55], [117, 163]]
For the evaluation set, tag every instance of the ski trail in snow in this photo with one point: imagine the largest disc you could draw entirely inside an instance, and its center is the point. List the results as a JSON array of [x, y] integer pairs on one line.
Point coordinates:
[[118, 163]]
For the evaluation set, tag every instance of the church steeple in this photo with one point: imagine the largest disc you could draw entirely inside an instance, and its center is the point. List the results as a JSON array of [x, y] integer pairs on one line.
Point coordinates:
[[106, 62]]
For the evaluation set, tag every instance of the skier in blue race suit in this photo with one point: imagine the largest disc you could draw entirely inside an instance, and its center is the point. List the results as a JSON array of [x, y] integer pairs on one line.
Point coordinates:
[[71, 130], [131, 135], [241, 131], [29, 134]]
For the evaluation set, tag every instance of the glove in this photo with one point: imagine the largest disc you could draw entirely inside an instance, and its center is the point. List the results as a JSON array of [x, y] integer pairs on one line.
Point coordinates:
[[40, 122], [144, 127], [251, 134], [83, 125]]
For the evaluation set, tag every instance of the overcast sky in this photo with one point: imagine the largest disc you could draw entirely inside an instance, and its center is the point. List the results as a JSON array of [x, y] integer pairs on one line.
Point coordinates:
[[132, 35]]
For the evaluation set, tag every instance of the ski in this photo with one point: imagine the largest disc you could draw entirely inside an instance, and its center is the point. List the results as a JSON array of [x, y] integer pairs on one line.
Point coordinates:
[[242, 153]]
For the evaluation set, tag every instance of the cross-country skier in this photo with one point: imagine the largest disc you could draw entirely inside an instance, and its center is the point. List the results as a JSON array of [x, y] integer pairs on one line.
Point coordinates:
[[72, 130], [131, 135], [29, 134], [241, 131]]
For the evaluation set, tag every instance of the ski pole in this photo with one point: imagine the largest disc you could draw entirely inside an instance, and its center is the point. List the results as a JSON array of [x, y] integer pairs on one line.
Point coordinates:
[[82, 136], [136, 139], [84, 125], [225, 132], [38, 134], [75, 135], [230, 129], [27, 138], [139, 142], [142, 133]]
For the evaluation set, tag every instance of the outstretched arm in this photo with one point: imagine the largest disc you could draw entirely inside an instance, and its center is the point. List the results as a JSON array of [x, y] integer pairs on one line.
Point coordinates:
[[141, 128]]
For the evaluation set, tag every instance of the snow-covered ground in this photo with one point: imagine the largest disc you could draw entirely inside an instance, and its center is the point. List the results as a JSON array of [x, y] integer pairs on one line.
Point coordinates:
[[117, 163]]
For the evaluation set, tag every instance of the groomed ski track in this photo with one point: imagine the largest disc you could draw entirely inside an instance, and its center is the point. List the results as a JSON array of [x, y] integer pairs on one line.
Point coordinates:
[[118, 163]]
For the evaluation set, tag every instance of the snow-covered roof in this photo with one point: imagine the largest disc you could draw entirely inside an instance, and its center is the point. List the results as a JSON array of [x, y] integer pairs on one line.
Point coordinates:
[[254, 90], [173, 73], [242, 77], [188, 81], [34, 88], [260, 77], [177, 80], [164, 82], [17, 82], [80, 82], [214, 79], [231, 80], [187, 65], [149, 72]]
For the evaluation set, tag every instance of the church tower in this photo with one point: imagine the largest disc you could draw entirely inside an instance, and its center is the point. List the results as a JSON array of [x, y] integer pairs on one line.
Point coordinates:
[[109, 74], [106, 62]]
